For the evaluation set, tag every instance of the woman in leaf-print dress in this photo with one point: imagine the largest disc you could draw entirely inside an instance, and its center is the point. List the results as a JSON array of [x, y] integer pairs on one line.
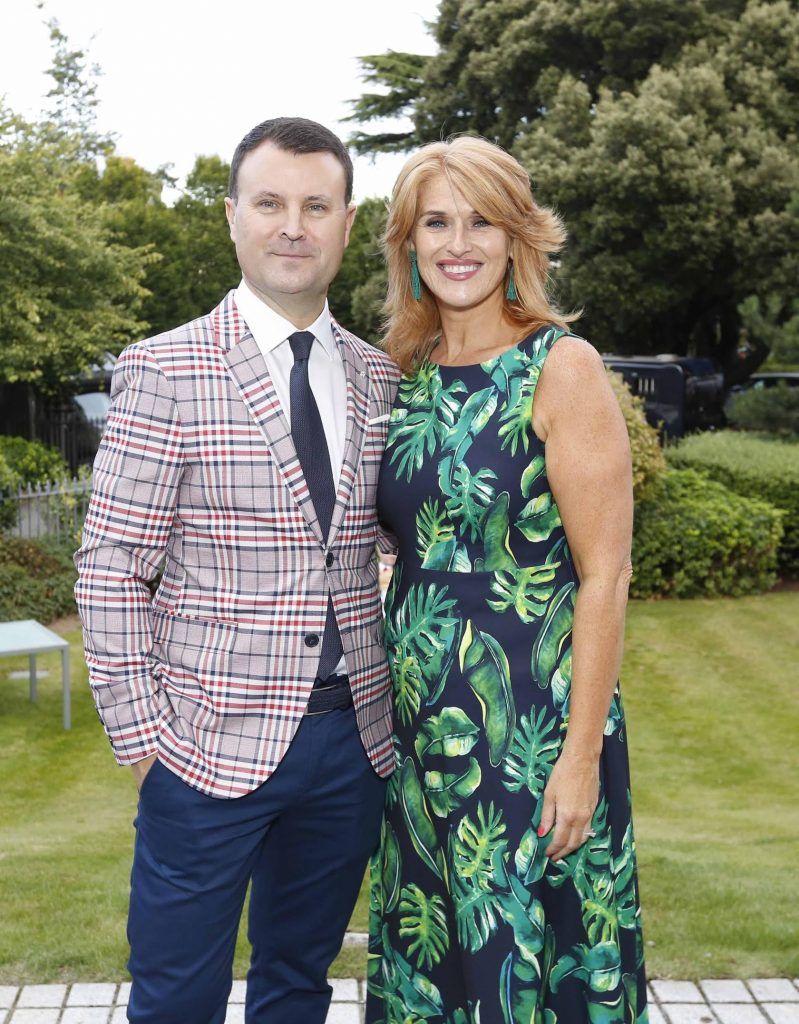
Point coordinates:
[[504, 888]]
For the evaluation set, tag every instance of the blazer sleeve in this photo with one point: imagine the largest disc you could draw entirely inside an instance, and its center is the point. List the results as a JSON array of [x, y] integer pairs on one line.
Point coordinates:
[[135, 485]]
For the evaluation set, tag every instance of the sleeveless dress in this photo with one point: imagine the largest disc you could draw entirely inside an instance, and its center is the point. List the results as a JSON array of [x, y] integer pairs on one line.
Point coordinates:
[[470, 923]]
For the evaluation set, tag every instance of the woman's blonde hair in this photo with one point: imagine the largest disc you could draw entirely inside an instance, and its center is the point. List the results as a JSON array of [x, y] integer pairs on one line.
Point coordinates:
[[498, 187]]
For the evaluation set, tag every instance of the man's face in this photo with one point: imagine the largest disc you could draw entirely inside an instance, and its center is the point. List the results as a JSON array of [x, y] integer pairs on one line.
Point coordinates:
[[290, 224]]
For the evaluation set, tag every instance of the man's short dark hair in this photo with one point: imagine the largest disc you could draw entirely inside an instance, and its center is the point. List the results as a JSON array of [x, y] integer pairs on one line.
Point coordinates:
[[294, 135]]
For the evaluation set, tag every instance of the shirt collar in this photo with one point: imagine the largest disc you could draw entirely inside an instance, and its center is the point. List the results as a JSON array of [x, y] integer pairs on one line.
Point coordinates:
[[270, 329]]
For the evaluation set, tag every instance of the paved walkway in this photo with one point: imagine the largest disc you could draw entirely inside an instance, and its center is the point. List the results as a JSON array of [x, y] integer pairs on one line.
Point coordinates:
[[755, 1001]]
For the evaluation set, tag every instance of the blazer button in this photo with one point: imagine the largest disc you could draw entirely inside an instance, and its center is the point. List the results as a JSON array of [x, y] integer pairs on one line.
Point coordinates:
[[311, 640], [329, 560]]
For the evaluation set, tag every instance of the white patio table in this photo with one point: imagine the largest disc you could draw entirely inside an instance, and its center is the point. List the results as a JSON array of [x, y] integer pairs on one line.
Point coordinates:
[[27, 636]]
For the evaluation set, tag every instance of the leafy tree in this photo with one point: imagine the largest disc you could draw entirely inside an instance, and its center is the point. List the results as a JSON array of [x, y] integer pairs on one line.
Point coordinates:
[[665, 133], [68, 293], [357, 294]]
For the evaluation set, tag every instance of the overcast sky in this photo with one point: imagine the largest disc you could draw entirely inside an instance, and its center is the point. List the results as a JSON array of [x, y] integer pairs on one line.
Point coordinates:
[[183, 77]]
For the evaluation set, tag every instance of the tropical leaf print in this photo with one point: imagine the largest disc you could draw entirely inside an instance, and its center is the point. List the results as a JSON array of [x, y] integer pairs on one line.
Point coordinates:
[[467, 495], [405, 990], [476, 845], [516, 418], [418, 821], [531, 474], [390, 866], [526, 590], [421, 637], [553, 636], [539, 518], [475, 902], [447, 790], [530, 859], [534, 750], [436, 544], [451, 734], [598, 965], [496, 537], [431, 413], [474, 415], [486, 669], [424, 921]]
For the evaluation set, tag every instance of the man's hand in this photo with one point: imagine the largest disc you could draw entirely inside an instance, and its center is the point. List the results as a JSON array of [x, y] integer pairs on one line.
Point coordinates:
[[140, 769]]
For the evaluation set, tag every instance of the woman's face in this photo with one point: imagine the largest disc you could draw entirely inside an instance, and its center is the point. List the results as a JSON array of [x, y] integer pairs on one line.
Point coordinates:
[[462, 258]]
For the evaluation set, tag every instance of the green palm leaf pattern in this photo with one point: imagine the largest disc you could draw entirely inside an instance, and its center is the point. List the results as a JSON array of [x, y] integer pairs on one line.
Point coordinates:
[[517, 415], [476, 844], [447, 790], [419, 824], [474, 415], [451, 733], [485, 667], [527, 590], [475, 901], [424, 921], [539, 518], [390, 866], [531, 474], [496, 537], [436, 543], [553, 636], [533, 752], [421, 636], [431, 413], [467, 495], [405, 990]]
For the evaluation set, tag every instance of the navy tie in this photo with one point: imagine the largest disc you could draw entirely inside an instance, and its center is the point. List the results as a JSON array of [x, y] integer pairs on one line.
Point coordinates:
[[311, 447]]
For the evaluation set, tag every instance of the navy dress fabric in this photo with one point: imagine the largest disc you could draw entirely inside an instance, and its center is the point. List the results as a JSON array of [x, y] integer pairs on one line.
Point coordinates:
[[469, 920]]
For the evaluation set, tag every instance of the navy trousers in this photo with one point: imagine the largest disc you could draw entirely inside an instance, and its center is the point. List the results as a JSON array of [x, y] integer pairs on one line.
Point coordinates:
[[303, 839]]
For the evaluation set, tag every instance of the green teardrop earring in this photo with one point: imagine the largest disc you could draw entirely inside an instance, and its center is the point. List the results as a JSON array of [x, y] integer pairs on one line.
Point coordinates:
[[416, 281], [510, 291]]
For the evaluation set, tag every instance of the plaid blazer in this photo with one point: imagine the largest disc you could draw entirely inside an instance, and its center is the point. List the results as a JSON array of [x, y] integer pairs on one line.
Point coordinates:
[[197, 471]]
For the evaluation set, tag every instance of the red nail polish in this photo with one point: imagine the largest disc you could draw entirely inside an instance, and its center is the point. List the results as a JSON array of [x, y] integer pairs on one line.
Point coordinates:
[[541, 831]]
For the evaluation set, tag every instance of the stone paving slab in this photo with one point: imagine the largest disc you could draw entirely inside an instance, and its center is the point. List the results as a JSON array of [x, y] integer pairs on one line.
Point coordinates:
[[711, 1001]]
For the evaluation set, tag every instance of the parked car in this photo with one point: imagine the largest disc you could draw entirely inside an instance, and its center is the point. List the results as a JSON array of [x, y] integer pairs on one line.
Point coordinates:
[[680, 393]]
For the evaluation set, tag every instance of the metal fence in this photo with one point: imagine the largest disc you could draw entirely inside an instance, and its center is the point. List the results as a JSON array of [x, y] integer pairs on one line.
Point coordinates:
[[53, 510]]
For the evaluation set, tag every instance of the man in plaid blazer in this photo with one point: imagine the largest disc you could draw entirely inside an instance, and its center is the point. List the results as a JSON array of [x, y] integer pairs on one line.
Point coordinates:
[[250, 694]]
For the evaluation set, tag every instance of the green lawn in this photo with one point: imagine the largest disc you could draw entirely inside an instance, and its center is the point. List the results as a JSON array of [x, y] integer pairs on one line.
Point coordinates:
[[712, 700]]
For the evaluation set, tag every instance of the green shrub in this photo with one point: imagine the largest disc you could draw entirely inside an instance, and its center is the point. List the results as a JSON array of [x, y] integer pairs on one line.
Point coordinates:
[[648, 461], [774, 410], [36, 580], [694, 538], [754, 466], [31, 462]]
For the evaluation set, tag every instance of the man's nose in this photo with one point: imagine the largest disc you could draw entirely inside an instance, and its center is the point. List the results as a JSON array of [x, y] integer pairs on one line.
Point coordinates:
[[293, 226]]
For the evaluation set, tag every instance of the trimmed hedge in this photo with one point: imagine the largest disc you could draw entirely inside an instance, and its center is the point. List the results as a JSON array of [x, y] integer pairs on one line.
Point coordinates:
[[694, 538], [753, 466], [773, 410], [36, 580]]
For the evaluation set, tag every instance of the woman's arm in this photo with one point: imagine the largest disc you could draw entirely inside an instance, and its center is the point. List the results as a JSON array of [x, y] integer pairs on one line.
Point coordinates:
[[590, 474]]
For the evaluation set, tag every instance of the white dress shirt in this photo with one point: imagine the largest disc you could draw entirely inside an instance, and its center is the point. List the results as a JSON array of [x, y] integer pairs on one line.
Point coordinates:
[[325, 371]]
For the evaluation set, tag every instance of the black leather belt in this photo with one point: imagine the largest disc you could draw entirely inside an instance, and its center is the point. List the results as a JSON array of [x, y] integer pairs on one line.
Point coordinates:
[[331, 696]]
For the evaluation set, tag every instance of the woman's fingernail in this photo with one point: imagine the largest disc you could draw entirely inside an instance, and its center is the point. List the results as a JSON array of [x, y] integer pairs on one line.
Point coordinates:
[[541, 831]]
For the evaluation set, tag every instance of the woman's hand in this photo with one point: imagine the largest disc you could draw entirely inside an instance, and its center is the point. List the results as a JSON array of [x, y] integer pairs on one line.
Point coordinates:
[[570, 799]]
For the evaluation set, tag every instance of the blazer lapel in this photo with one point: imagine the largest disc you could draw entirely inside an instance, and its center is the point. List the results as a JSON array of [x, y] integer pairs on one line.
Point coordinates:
[[248, 369], [357, 422]]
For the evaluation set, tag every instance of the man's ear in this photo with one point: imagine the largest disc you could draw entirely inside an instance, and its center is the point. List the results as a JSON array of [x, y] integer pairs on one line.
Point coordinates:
[[230, 214], [352, 209]]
